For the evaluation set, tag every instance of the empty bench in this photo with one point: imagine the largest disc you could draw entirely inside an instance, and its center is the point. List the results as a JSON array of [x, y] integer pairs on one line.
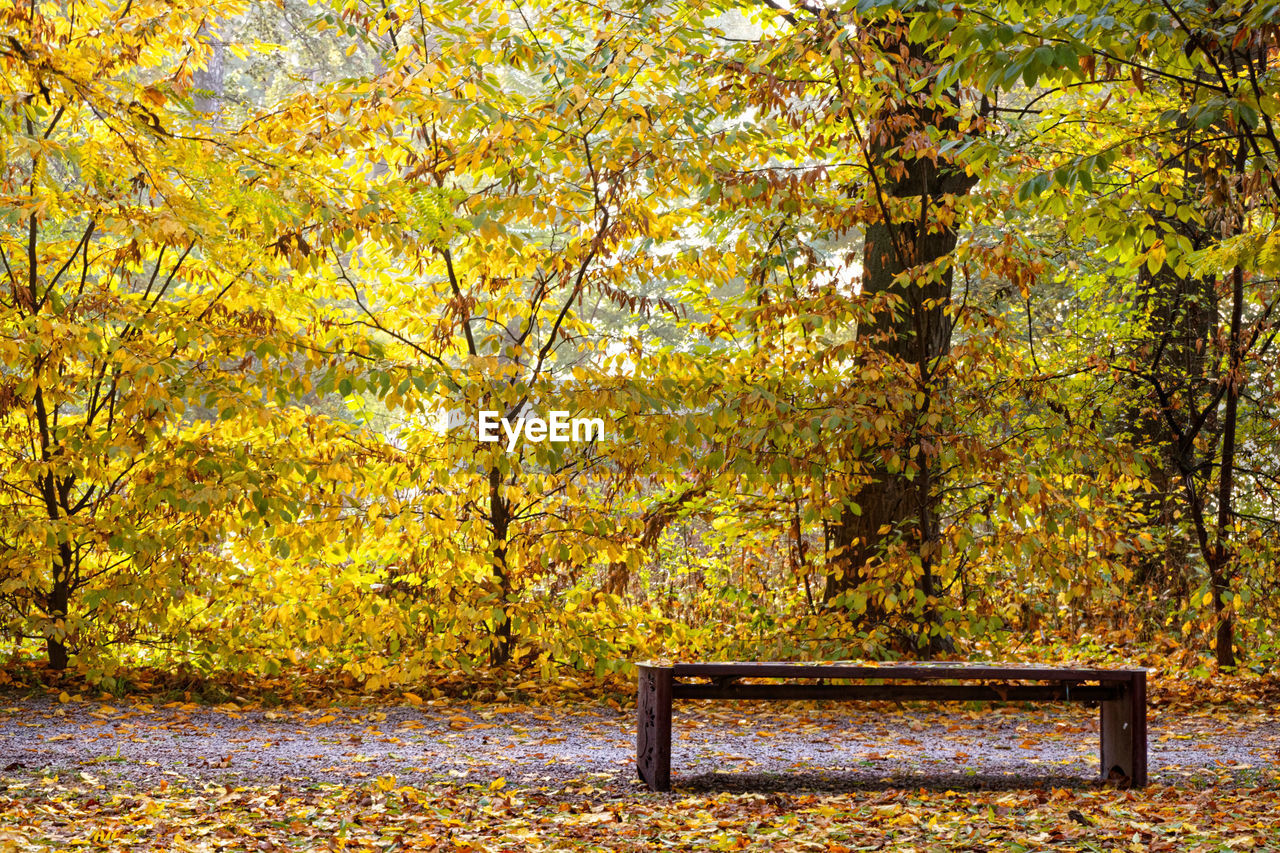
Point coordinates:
[[1121, 693]]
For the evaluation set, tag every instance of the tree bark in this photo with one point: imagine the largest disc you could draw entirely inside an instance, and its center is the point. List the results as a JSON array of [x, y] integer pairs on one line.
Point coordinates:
[[1220, 559], [902, 248], [499, 524], [57, 602], [210, 81]]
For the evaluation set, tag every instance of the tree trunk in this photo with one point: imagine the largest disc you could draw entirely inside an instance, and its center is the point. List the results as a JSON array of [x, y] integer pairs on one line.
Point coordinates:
[[58, 601], [1182, 417], [499, 523], [1180, 314], [900, 252], [210, 81], [1220, 560], [1224, 628]]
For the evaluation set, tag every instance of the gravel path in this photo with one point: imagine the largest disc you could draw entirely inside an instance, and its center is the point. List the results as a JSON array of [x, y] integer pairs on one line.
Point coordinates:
[[730, 747]]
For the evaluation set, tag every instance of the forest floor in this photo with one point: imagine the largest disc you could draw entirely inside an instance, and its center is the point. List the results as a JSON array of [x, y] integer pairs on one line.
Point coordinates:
[[448, 775]]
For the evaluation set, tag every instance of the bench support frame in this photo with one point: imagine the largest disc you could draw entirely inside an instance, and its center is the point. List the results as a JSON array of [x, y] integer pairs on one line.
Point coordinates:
[[653, 735], [1123, 727], [1121, 694]]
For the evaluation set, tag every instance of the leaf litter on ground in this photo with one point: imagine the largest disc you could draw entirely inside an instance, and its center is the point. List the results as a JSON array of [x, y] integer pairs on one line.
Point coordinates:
[[88, 813], [130, 774]]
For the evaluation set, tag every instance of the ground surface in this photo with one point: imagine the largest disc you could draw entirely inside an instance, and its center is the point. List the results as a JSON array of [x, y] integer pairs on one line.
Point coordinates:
[[715, 744], [451, 776]]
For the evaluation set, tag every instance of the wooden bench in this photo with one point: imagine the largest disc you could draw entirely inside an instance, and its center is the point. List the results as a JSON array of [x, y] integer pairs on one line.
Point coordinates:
[[1121, 693]]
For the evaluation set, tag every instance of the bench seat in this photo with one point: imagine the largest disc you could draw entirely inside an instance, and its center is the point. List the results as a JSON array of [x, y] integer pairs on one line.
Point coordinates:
[[1120, 693]]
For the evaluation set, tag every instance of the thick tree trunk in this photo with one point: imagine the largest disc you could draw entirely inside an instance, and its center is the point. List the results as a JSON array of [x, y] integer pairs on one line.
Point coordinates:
[[1183, 325], [1180, 315], [1179, 423], [900, 257]]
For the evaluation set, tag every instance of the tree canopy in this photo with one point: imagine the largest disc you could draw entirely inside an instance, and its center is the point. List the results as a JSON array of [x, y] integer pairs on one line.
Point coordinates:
[[912, 328]]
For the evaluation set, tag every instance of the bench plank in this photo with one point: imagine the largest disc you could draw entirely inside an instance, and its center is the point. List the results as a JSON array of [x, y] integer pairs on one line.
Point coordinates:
[[912, 671]]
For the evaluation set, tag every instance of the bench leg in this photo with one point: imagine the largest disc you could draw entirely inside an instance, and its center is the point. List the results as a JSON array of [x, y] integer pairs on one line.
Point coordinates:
[[653, 732], [1124, 733]]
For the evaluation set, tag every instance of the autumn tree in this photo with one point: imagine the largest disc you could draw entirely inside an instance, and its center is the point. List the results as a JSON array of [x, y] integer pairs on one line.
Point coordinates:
[[907, 252], [154, 360], [573, 141], [1161, 155], [863, 184]]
